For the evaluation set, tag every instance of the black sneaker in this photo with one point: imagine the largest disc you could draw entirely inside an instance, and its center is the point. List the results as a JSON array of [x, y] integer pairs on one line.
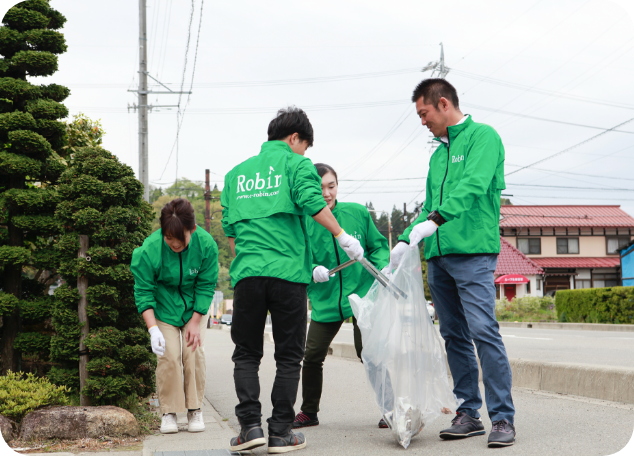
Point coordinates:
[[463, 426], [502, 434], [305, 420], [383, 424], [251, 436], [285, 443]]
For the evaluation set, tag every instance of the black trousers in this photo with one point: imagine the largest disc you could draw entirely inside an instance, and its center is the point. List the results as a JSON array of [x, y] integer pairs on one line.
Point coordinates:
[[287, 303], [320, 335]]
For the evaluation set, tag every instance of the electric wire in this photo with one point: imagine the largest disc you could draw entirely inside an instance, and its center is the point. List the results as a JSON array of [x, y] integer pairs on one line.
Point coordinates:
[[387, 136], [570, 148]]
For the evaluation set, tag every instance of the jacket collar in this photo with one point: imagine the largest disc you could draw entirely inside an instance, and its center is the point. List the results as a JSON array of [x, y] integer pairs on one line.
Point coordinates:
[[336, 208], [276, 145], [454, 130]]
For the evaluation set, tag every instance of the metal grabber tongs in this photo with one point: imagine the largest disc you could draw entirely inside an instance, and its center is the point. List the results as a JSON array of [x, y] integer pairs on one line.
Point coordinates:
[[374, 272]]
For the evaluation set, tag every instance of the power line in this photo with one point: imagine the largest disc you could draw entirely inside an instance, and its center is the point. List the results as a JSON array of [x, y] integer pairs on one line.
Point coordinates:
[[570, 148], [270, 82], [508, 113]]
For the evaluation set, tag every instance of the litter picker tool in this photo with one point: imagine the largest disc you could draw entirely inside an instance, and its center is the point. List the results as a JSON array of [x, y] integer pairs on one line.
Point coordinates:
[[374, 272]]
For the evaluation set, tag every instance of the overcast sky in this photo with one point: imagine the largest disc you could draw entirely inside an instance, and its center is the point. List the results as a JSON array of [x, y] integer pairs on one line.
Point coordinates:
[[529, 69]]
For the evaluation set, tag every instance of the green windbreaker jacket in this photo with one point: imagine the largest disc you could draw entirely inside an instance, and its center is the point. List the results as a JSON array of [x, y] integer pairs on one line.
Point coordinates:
[[329, 300], [175, 285], [464, 183], [266, 203]]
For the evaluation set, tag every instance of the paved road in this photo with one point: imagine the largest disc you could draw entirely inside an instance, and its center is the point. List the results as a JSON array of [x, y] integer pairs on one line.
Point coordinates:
[[547, 424], [556, 345]]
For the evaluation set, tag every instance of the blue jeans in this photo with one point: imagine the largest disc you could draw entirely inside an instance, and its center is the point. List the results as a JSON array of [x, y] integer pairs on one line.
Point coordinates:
[[463, 293]]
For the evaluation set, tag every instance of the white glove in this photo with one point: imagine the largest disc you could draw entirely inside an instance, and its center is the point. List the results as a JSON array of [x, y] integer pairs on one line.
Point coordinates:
[[350, 245], [158, 341], [320, 274], [420, 231], [396, 254]]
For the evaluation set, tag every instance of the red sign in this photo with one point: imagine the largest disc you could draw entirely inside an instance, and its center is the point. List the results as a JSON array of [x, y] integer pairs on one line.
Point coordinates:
[[512, 278]]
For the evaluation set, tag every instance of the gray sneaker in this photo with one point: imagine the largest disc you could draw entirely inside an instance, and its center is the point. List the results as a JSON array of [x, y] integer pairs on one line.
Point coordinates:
[[502, 434], [462, 426], [251, 436], [285, 443]]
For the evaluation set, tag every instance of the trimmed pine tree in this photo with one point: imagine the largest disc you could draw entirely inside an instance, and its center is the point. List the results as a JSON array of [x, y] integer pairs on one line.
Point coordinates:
[[101, 198], [31, 139]]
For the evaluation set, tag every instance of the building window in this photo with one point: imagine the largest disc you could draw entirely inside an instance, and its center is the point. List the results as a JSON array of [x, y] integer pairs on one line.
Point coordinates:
[[605, 280], [538, 285], [528, 288], [615, 243], [530, 246], [582, 283], [567, 245]]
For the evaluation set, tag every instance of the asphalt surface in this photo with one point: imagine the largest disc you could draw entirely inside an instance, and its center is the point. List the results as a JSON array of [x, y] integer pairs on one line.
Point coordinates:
[[608, 348], [546, 423]]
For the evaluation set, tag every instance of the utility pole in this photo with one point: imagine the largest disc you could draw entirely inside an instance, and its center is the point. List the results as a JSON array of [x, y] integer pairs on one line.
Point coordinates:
[[207, 201], [143, 108], [405, 225]]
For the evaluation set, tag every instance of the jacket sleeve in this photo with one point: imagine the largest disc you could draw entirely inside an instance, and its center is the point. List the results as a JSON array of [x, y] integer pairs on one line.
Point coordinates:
[[425, 210], [224, 202], [376, 247], [306, 188], [481, 161], [206, 280], [144, 280]]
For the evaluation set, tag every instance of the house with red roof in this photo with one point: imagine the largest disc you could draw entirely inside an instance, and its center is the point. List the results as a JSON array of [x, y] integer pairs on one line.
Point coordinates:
[[516, 274], [576, 246]]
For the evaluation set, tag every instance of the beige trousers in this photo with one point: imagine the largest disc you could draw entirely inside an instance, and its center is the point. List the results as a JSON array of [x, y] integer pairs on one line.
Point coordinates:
[[178, 364]]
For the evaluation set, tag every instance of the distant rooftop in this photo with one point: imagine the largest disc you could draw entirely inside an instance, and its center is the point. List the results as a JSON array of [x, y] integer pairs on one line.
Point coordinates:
[[564, 216], [512, 261]]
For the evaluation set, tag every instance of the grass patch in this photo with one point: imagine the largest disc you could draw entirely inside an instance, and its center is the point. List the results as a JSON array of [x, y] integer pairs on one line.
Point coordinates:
[[526, 309]]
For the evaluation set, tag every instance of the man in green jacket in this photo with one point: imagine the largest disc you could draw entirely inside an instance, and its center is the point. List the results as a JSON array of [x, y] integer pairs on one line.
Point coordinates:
[[460, 221], [266, 200]]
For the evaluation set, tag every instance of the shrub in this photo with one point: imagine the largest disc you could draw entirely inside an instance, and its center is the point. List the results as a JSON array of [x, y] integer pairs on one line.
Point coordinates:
[[596, 305], [527, 308], [20, 394]]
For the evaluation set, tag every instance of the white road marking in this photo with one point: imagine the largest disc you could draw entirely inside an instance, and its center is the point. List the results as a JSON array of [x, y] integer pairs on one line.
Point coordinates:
[[520, 337]]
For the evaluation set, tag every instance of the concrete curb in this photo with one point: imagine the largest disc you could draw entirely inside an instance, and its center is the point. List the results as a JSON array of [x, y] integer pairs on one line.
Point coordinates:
[[588, 380], [574, 326]]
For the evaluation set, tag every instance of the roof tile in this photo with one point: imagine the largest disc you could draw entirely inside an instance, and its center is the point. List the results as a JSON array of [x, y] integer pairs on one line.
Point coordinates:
[[512, 261], [568, 216], [574, 262]]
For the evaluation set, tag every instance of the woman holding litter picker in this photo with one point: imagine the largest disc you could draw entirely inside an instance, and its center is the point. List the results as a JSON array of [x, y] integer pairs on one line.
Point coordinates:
[[175, 274], [329, 294]]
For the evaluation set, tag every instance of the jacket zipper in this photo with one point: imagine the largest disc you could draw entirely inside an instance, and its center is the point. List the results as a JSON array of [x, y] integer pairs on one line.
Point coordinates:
[[340, 278], [180, 281], [441, 188]]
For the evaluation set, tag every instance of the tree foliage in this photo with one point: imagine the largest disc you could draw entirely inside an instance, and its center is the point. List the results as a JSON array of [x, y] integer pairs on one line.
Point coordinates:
[[31, 140], [102, 199]]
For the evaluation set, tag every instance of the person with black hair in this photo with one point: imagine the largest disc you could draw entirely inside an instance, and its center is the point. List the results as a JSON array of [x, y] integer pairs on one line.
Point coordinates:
[[460, 224], [329, 295], [175, 275], [267, 201]]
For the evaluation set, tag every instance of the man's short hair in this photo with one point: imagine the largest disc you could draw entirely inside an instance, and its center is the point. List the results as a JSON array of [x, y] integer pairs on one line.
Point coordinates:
[[433, 89], [288, 121]]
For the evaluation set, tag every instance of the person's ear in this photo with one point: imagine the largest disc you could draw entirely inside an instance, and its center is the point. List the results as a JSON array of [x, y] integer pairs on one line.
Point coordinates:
[[294, 139]]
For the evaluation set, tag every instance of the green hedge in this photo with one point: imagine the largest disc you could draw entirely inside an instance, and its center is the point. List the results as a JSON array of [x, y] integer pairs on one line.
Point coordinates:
[[596, 305]]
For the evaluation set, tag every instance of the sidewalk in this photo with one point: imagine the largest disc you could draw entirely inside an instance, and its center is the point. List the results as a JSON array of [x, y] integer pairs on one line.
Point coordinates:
[[213, 441]]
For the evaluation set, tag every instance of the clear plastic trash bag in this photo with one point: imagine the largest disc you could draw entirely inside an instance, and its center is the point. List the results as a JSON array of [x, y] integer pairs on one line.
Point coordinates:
[[402, 352]]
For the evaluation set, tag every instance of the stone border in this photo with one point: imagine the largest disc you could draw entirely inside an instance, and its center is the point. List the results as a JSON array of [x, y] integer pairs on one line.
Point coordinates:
[[588, 380], [574, 326]]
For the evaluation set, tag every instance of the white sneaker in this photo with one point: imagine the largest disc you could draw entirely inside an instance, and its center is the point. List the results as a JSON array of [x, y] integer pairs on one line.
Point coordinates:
[[195, 421], [168, 424]]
